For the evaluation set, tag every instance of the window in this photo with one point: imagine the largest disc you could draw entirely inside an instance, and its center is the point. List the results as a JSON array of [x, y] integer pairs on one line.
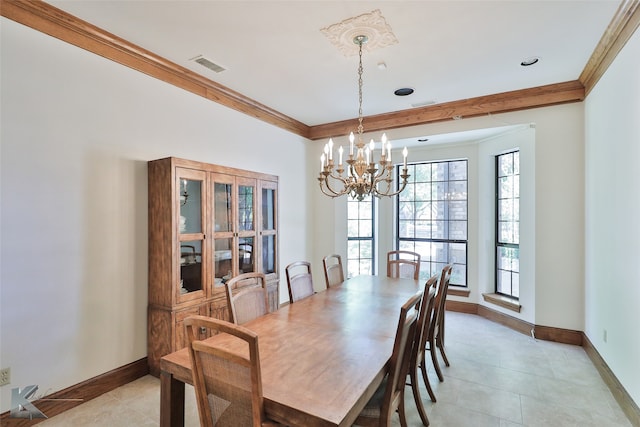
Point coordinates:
[[360, 237], [508, 224], [432, 217]]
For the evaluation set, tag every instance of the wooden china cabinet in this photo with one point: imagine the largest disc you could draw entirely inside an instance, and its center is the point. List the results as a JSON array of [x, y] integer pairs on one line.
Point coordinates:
[[207, 223]]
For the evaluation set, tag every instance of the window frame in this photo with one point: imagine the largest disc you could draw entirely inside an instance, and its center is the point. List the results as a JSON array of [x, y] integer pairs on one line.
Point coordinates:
[[446, 241], [361, 238], [498, 243]]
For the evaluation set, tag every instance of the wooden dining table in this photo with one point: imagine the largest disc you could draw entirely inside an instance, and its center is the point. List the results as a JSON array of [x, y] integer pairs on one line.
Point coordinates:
[[322, 358]]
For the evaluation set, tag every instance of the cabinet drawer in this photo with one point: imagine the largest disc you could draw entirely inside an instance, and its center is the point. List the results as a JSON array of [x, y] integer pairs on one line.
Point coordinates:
[[218, 309], [180, 332]]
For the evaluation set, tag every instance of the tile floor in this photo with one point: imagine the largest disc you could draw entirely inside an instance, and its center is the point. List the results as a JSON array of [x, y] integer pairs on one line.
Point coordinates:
[[498, 377]]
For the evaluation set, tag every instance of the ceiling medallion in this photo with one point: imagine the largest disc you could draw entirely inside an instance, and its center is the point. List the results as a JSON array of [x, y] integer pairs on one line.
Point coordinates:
[[372, 25]]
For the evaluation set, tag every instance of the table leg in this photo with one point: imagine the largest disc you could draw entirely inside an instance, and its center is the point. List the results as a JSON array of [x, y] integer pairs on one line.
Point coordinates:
[[171, 401]]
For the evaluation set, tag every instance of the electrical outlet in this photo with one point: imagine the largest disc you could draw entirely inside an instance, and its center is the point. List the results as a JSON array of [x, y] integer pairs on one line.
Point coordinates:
[[604, 335], [5, 376]]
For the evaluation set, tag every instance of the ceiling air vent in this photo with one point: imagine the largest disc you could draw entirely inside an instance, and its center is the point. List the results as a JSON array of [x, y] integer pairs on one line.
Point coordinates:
[[209, 64]]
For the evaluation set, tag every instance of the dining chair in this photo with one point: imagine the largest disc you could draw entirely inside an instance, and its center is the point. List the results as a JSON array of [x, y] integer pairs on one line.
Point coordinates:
[[247, 297], [228, 386], [418, 362], [403, 264], [333, 273], [299, 280], [436, 329], [389, 397]]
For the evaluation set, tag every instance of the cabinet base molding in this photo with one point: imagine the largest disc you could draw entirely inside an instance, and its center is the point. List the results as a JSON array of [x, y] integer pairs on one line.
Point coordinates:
[[83, 392]]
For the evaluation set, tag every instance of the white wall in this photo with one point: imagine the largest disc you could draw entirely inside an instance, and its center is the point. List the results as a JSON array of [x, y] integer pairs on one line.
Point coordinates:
[[553, 217], [612, 229], [76, 133]]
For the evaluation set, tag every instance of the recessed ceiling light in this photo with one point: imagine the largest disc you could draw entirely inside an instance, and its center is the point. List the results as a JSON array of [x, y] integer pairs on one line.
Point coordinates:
[[530, 61], [404, 91]]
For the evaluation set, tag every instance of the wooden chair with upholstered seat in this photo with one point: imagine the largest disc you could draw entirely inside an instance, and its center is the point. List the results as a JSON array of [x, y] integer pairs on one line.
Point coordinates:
[[418, 362], [247, 297], [403, 264], [435, 338], [299, 280], [228, 385], [333, 273], [389, 397]]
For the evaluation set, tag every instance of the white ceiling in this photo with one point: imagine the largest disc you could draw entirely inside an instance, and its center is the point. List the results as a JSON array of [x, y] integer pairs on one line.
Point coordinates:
[[275, 53]]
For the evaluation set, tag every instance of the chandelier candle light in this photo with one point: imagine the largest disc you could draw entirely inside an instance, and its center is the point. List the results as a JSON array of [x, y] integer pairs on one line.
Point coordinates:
[[363, 177]]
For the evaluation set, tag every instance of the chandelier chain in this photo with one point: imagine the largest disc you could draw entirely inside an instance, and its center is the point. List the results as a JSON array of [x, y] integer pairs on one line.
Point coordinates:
[[360, 71]]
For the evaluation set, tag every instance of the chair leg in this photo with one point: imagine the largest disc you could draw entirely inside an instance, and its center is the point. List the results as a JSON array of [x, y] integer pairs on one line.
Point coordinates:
[[444, 355], [423, 368], [440, 342], [417, 398], [403, 417], [434, 359]]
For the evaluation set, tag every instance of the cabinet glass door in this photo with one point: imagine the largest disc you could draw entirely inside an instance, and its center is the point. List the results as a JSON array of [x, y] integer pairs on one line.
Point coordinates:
[[224, 211], [246, 226], [223, 202], [246, 263], [189, 194], [190, 188], [222, 261], [268, 214], [246, 205]]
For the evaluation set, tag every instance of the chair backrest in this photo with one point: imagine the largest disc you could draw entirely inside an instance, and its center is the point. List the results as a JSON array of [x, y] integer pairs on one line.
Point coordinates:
[[440, 300], [403, 264], [228, 385], [247, 297], [424, 319], [401, 355], [333, 273], [299, 280]]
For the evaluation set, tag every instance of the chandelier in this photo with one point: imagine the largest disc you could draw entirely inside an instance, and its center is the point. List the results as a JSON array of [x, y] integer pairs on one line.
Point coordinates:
[[363, 176]]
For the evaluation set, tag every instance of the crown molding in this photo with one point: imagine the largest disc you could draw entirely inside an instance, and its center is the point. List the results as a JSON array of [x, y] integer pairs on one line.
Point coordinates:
[[50, 20], [622, 26], [540, 96]]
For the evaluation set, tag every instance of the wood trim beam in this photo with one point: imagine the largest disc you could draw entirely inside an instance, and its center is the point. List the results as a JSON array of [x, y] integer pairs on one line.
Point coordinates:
[[541, 96], [70, 397], [50, 20], [624, 23]]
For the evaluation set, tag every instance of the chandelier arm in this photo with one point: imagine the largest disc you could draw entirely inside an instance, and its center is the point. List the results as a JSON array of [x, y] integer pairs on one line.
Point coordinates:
[[328, 185], [395, 193], [329, 194]]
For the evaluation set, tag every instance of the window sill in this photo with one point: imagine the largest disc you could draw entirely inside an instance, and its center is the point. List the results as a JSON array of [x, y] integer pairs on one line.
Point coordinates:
[[458, 291], [503, 301]]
